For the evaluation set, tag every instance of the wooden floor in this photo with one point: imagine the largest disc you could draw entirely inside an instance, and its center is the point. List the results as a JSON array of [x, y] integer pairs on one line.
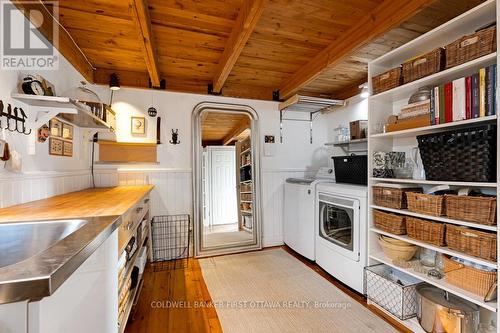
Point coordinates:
[[183, 283]]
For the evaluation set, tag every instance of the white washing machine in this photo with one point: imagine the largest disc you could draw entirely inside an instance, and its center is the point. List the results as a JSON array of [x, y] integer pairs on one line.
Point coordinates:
[[299, 206], [341, 243]]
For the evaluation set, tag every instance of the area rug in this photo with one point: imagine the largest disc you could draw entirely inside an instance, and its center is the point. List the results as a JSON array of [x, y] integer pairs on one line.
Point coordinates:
[[271, 291]]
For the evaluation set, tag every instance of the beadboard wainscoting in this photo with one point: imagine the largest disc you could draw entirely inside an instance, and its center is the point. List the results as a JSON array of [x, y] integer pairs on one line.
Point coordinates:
[[173, 193], [21, 188]]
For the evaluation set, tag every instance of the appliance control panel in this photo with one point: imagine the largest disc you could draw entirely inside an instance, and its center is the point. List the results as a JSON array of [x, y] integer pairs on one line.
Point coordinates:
[[325, 173]]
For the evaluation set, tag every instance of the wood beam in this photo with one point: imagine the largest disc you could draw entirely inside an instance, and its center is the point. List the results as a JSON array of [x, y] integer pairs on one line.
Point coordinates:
[[140, 15], [387, 15], [41, 17], [246, 21], [237, 130]]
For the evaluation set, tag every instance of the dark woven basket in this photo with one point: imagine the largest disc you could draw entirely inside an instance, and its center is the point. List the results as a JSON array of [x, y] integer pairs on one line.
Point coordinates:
[[462, 155], [388, 80], [423, 65]]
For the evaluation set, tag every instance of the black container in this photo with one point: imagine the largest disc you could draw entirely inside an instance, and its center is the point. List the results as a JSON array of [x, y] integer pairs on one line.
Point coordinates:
[[246, 173], [351, 169], [467, 154]]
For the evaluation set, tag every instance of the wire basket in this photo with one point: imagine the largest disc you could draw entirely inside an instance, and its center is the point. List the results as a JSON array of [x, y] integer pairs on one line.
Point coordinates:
[[170, 238]]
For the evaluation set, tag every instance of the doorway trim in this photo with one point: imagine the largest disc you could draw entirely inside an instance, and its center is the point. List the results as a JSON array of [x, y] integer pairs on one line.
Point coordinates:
[[199, 249]]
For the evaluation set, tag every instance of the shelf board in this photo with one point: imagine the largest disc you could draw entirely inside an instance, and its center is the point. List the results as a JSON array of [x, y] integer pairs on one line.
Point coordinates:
[[245, 165], [246, 151], [412, 132], [433, 182], [437, 218], [412, 324], [492, 306], [438, 78], [444, 250], [130, 264], [249, 201], [246, 181], [247, 192], [341, 144]]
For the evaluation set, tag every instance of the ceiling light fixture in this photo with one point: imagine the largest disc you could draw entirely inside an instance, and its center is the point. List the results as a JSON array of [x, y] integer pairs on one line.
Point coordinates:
[[364, 90], [114, 82]]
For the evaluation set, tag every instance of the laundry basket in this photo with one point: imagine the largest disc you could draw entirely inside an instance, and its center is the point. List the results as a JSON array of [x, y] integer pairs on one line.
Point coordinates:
[[170, 237]]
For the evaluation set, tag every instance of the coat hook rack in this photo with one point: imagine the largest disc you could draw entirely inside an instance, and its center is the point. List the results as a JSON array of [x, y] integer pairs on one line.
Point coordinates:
[[17, 115], [175, 137]]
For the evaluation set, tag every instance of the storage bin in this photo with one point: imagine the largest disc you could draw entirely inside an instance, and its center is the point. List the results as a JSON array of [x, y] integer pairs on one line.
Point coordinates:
[[426, 231], [482, 210], [473, 242], [351, 169], [467, 154], [381, 288], [246, 187], [246, 196], [386, 81], [424, 65], [393, 223], [472, 279], [470, 47], [392, 197], [425, 203]]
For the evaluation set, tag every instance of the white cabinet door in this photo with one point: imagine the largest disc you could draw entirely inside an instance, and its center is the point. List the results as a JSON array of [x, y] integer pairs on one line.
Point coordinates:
[[87, 301], [223, 207], [14, 317]]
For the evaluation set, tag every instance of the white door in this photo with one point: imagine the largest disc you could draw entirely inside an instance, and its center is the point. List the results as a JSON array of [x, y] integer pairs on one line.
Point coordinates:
[[223, 206], [205, 188]]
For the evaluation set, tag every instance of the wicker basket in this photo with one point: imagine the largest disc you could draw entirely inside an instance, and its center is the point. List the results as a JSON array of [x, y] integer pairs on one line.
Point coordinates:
[[392, 197], [426, 231], [471, 47], [482, 210], [468, 278], [425, 203], [466, 154], [423, 65], [476, 243], [393, 223], [386, 81]]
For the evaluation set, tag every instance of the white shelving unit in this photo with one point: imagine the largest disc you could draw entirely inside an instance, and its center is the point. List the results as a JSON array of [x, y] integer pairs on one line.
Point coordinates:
[[390, 102]]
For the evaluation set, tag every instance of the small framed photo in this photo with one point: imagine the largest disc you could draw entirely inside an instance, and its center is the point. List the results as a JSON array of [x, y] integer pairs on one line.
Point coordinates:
[[269, 138], [68, 148], [55, 146], [67, 131], [55, 128], [138, 125]]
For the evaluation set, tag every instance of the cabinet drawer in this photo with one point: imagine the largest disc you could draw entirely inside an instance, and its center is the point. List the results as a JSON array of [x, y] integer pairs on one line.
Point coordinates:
[[131, 220]]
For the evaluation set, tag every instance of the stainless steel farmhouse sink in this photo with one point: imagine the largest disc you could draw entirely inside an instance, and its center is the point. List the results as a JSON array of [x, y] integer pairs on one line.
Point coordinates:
[[22, 240]]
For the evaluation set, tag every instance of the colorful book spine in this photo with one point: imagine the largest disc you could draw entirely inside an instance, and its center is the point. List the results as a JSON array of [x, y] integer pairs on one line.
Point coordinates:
[[441, 105], [458, 105], [448, 103], [482, 92], [495, 83], [436, 105], [433, 108], [475, 95], [490, 102], [468, 97]]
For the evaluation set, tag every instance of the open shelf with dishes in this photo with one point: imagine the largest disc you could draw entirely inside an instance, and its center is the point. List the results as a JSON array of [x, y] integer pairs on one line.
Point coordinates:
[[383, 107]]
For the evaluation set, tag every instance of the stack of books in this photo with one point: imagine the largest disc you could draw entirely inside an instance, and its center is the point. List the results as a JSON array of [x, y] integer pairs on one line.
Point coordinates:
[[465, 98]]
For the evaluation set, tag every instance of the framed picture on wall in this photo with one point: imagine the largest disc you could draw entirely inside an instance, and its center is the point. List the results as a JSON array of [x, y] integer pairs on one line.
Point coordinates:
[[55, 146], [55, 128], [138, 125], [68, 148], [67, 131]]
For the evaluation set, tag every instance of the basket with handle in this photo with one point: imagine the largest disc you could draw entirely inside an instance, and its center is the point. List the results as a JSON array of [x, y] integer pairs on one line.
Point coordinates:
[[472, 279], [473, 242]]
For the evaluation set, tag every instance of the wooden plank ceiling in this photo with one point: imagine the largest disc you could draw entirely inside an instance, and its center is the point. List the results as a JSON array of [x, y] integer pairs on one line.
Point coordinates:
[[223, 128], [250, 48]]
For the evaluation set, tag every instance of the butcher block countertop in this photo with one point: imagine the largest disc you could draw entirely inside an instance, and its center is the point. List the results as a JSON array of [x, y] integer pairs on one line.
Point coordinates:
[[105, 201]]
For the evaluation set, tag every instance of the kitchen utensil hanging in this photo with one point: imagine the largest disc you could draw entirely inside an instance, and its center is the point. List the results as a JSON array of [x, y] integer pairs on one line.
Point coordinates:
[[18, 116]]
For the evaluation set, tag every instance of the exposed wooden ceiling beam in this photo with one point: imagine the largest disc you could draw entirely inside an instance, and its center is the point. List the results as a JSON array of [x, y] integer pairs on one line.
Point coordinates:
[[386, 16], [246, 21], [237, 130], [140, 14], [65, 44]]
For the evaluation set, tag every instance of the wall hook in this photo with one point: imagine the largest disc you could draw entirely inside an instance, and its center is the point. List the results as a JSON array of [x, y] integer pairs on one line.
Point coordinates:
[[175, 137]]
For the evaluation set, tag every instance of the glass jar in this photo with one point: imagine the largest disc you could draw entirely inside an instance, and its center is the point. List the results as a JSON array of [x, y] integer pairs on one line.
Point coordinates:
[[427, 257]]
